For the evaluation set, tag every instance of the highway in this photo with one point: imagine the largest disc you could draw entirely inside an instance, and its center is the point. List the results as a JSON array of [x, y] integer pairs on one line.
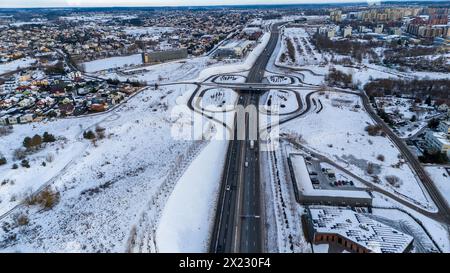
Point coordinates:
[[238, 224]]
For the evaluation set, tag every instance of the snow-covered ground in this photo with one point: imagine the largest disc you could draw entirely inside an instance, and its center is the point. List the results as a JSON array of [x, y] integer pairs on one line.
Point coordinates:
[[112, 63], [441, 178], [14, 65], [189, 213], [439, 232], [163, 73], [279, 79], [150, 31], [338, 132], [282, 212], [56, 156], [104, 190], [280, 102], [230, 79], [219, 99], [305, 53]]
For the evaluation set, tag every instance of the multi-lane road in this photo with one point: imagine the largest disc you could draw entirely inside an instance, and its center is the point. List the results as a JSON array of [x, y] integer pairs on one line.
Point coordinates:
[[238, 225]]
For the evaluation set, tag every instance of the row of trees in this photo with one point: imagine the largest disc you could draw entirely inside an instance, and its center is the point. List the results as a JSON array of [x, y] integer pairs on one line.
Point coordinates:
[[426, 89], [355, 49], [338, 78], [36, 141], [290, 49]]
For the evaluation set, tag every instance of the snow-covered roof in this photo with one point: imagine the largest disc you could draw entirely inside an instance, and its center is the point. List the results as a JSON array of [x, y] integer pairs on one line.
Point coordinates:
[[304, 183], [360, 229]]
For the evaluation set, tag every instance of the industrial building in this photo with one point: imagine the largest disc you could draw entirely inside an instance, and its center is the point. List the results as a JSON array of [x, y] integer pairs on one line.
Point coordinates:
[[233, 49], [164, 56], [354, 232]]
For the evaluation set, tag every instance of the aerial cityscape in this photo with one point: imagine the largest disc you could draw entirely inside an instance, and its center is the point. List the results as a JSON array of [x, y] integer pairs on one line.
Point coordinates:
[[248, 128]]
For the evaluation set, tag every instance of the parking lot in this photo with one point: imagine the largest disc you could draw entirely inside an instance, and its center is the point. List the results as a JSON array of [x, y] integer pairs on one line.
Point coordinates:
[[325, 177]]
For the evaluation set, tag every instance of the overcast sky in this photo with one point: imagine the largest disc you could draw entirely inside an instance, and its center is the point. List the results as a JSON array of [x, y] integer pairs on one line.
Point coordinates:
[[109, 3]]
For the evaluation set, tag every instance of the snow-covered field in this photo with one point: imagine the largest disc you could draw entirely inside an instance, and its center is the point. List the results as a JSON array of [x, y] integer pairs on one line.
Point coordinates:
[[280, 102], [112, 63], [104, 191], [219, 99], [441, 179], [163, 73], [278, 79], [56, 156], [338, 132], [230, 79], [14, 65], [189, 213], [151, 31]]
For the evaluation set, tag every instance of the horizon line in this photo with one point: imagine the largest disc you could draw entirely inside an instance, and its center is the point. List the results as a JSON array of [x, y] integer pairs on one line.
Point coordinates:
[[224, 5]]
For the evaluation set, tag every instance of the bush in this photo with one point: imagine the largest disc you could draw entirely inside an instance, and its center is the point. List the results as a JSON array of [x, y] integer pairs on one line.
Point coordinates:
[[291, 49], [47, 199], [393, 180], [2, 160], [370, 168], [338, 78], [19, 154], [36, 141], [373, 130], [100, 132], [89, 135], [27, 142], [380, 157], [15, 166], [21, 219], [25, 163], [48, 137]]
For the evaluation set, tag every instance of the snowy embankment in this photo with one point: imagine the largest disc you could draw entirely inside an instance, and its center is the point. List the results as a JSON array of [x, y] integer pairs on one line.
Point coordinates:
[[189, 213], [441, 179], [15, 65], [104, 191], [112, 63]]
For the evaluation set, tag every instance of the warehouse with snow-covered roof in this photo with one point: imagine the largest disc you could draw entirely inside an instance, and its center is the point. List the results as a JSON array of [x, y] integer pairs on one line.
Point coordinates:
[[354, 231]]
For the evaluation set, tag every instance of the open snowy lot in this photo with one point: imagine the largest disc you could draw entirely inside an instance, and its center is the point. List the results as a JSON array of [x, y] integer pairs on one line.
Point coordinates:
[[15, 65], [338, 132], [441, 178], [219, 99], [280, 102], [19, 183], [150, 31], [112, 63], [229, 79]]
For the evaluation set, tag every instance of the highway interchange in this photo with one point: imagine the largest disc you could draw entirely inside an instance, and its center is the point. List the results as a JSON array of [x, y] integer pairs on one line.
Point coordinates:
[[239, 220]]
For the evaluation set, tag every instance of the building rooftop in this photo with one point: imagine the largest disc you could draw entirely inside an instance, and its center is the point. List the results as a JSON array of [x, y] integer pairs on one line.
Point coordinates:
[[360, 229], [442, 138], [305, 186]]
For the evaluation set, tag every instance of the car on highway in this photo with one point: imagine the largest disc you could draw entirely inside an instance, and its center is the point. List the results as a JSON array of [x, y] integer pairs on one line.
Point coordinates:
[[246, 164], [228, 187]]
